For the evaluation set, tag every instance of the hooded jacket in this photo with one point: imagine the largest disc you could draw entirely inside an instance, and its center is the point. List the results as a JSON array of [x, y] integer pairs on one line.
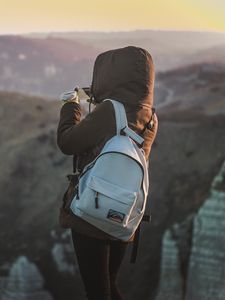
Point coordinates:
[[126, 75]]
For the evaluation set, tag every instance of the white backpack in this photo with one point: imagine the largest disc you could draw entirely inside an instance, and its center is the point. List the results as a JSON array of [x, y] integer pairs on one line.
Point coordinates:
[[112, 189]]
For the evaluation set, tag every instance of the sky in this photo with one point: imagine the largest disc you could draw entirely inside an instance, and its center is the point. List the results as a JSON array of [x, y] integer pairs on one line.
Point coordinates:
[[23, 16]]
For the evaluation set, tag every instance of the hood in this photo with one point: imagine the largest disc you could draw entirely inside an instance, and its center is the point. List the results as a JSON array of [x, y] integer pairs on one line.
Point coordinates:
[[124, 74]]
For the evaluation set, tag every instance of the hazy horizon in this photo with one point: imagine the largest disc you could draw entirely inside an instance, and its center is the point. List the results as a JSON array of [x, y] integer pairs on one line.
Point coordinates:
[[111, 31], [113, 15]]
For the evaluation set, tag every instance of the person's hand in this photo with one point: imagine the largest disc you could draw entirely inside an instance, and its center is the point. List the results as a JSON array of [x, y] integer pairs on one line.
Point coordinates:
[[70, 96]]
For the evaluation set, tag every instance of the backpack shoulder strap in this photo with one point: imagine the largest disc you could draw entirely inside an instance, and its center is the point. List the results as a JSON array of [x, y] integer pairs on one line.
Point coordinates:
[[121, 122], [120, 114]]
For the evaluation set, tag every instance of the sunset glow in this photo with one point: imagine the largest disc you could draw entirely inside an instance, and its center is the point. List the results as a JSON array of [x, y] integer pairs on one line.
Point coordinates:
[[18, 16]]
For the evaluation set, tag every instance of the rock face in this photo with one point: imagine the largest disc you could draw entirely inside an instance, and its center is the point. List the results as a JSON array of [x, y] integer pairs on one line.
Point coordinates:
[[25, 282], [171, 279], [63, 254], [175, 259], [206, 276], [197, 274]]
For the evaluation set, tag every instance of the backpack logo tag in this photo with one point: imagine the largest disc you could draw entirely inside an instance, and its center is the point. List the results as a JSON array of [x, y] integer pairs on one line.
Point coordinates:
[[115, 216]]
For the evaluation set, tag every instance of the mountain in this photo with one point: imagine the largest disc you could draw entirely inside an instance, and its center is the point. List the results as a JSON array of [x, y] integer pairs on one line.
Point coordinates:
[[32, 182], [170, 49], [47, 64], [187, 154], [175, 39], [200, 86], [43, 66], [193, 251], [210, 55]]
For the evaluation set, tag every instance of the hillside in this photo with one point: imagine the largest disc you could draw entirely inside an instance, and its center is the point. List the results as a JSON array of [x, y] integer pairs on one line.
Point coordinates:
[[32, 181], [200, 86], [186, 156], [31, 158], [46, 65]]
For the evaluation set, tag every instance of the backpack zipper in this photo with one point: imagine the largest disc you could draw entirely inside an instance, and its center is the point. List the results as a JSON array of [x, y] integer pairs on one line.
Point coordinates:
[[89, 167]]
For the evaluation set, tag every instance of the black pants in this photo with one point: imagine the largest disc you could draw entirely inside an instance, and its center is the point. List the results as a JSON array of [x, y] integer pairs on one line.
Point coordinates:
[[99, 262]]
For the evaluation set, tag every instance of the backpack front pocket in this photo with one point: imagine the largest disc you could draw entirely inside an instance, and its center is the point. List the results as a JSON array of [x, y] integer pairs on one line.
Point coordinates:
[[106, 201]]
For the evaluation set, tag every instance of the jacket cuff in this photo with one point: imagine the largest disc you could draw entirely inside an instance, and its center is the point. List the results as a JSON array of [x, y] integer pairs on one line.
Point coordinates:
[[71, 111]]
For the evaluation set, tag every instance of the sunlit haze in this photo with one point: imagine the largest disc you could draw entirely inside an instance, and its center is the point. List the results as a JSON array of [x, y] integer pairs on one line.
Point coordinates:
[[21, 16]]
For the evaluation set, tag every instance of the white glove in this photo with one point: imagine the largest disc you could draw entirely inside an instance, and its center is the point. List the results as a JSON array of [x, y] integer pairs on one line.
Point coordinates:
[[70, 96]]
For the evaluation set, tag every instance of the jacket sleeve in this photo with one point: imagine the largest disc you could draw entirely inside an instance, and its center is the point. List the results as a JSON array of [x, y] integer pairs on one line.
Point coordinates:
[[75, 136]]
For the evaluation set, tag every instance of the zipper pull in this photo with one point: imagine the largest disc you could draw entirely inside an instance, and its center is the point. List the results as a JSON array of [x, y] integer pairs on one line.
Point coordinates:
[[77, 192], [96, 200]]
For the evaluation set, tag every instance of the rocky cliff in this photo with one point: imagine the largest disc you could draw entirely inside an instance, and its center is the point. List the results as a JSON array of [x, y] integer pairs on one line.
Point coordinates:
[[24, 282], [186, 156], [199, 250]]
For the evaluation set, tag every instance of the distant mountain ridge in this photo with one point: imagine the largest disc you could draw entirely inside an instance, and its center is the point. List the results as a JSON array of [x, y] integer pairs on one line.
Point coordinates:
[[45, 65], [199, 86]]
